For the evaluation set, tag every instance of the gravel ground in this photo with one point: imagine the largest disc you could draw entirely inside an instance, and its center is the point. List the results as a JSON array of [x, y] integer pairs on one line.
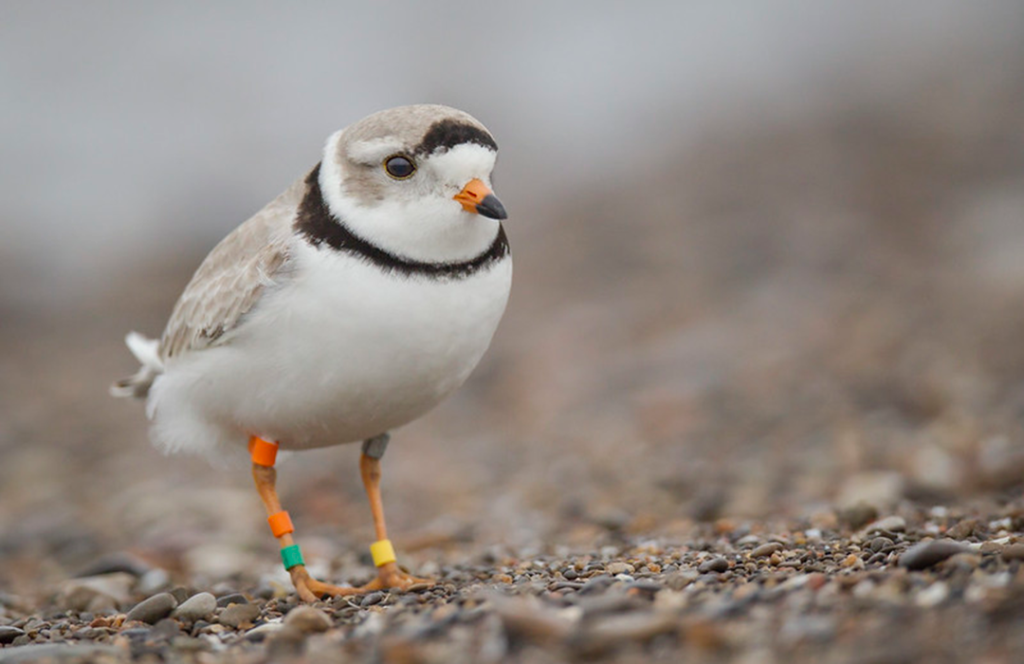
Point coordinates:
[[762, 404], [828, 589]]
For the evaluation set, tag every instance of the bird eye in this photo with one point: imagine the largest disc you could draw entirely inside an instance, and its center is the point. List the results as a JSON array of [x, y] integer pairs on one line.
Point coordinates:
[[399, 167]]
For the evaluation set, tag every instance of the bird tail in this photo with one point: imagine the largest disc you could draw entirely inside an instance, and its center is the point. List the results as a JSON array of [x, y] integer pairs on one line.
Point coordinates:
[[146, 351]]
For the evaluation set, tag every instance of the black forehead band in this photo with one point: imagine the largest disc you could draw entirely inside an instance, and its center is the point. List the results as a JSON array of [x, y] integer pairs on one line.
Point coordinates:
[[446, 134]]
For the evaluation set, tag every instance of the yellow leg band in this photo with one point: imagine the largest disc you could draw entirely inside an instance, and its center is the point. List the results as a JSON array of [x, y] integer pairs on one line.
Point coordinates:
[[382, 552]]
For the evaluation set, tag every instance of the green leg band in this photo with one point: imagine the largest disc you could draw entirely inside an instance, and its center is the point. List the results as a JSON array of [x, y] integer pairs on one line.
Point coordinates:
[[291, 556]]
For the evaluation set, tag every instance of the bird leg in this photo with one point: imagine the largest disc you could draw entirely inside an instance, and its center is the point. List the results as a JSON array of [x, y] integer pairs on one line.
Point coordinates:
[[263, 457], [389, 575]]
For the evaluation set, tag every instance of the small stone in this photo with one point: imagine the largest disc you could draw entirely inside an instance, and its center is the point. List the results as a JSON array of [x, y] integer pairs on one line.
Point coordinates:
[[263, 631], [8, 634], [596, 584], [880, 543], [926, 554], [237, 615], [966, 561], [889, 524], [681, 579], [963, 529], [371, 599], [859, 515], [153, 581], [618, 567], [646, 586], [569, 574], [308, 620], [232, 598], [197, 607], [932, 595], [153, 609], [717, 565], [766, 550], [1013, 552], [98, 593], [115, 562], [852, 561]]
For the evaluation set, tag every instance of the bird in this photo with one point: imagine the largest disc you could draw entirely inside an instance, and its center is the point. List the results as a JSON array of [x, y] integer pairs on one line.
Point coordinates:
[[350, 305]]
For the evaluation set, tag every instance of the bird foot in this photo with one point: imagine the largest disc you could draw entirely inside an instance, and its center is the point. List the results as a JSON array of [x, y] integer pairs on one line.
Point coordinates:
[[390, 576], [311, 590]]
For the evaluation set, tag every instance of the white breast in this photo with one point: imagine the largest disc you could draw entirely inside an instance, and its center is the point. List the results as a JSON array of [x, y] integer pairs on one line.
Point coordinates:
[[342, 352]]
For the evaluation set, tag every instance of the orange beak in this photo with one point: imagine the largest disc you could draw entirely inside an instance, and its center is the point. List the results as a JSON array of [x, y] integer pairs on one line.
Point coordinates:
[[477, 197]]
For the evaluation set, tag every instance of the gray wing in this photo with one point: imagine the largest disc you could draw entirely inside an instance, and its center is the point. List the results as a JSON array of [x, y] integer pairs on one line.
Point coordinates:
[[233, 277]]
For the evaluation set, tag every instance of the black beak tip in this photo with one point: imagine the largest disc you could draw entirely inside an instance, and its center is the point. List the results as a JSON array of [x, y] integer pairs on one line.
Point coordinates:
[[491, 207]]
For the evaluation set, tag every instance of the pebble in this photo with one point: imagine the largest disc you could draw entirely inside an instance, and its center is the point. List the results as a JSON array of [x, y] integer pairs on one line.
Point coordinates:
[[890, 524], [766, 550], [8, 634], [153, 609], [926, 554], [237, 615], [616, 568], [115, 562], [964, 529], [859, 515], [308, 620], [197, 607], [879, 544], [371, 599], [1013, 552], [717, 565], [152, 581], [932, 595], [98, 593], [232, 598], [263, 631], [596, 584]]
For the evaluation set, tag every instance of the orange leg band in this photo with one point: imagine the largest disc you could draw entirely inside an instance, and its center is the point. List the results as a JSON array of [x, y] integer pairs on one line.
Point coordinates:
[[280, 524], [264, 453]]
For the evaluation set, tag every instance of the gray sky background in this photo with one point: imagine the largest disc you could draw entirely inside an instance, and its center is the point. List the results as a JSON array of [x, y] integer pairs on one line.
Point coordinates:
[[135, 129]]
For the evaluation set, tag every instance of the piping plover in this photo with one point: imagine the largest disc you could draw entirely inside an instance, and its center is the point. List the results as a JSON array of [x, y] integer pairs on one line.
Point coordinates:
[[351, 304]]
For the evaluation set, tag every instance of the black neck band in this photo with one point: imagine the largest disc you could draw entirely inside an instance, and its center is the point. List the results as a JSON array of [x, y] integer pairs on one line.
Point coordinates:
[[315, 222]]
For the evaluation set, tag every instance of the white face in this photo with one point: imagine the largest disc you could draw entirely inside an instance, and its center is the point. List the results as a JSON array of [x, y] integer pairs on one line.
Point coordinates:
[[415, 217]]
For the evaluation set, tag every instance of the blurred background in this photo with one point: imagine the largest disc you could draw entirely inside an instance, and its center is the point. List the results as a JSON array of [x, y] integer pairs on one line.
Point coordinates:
[[769, 263]]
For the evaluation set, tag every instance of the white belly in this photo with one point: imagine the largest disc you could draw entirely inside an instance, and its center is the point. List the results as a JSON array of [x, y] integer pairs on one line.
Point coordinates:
[[342, 353]]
